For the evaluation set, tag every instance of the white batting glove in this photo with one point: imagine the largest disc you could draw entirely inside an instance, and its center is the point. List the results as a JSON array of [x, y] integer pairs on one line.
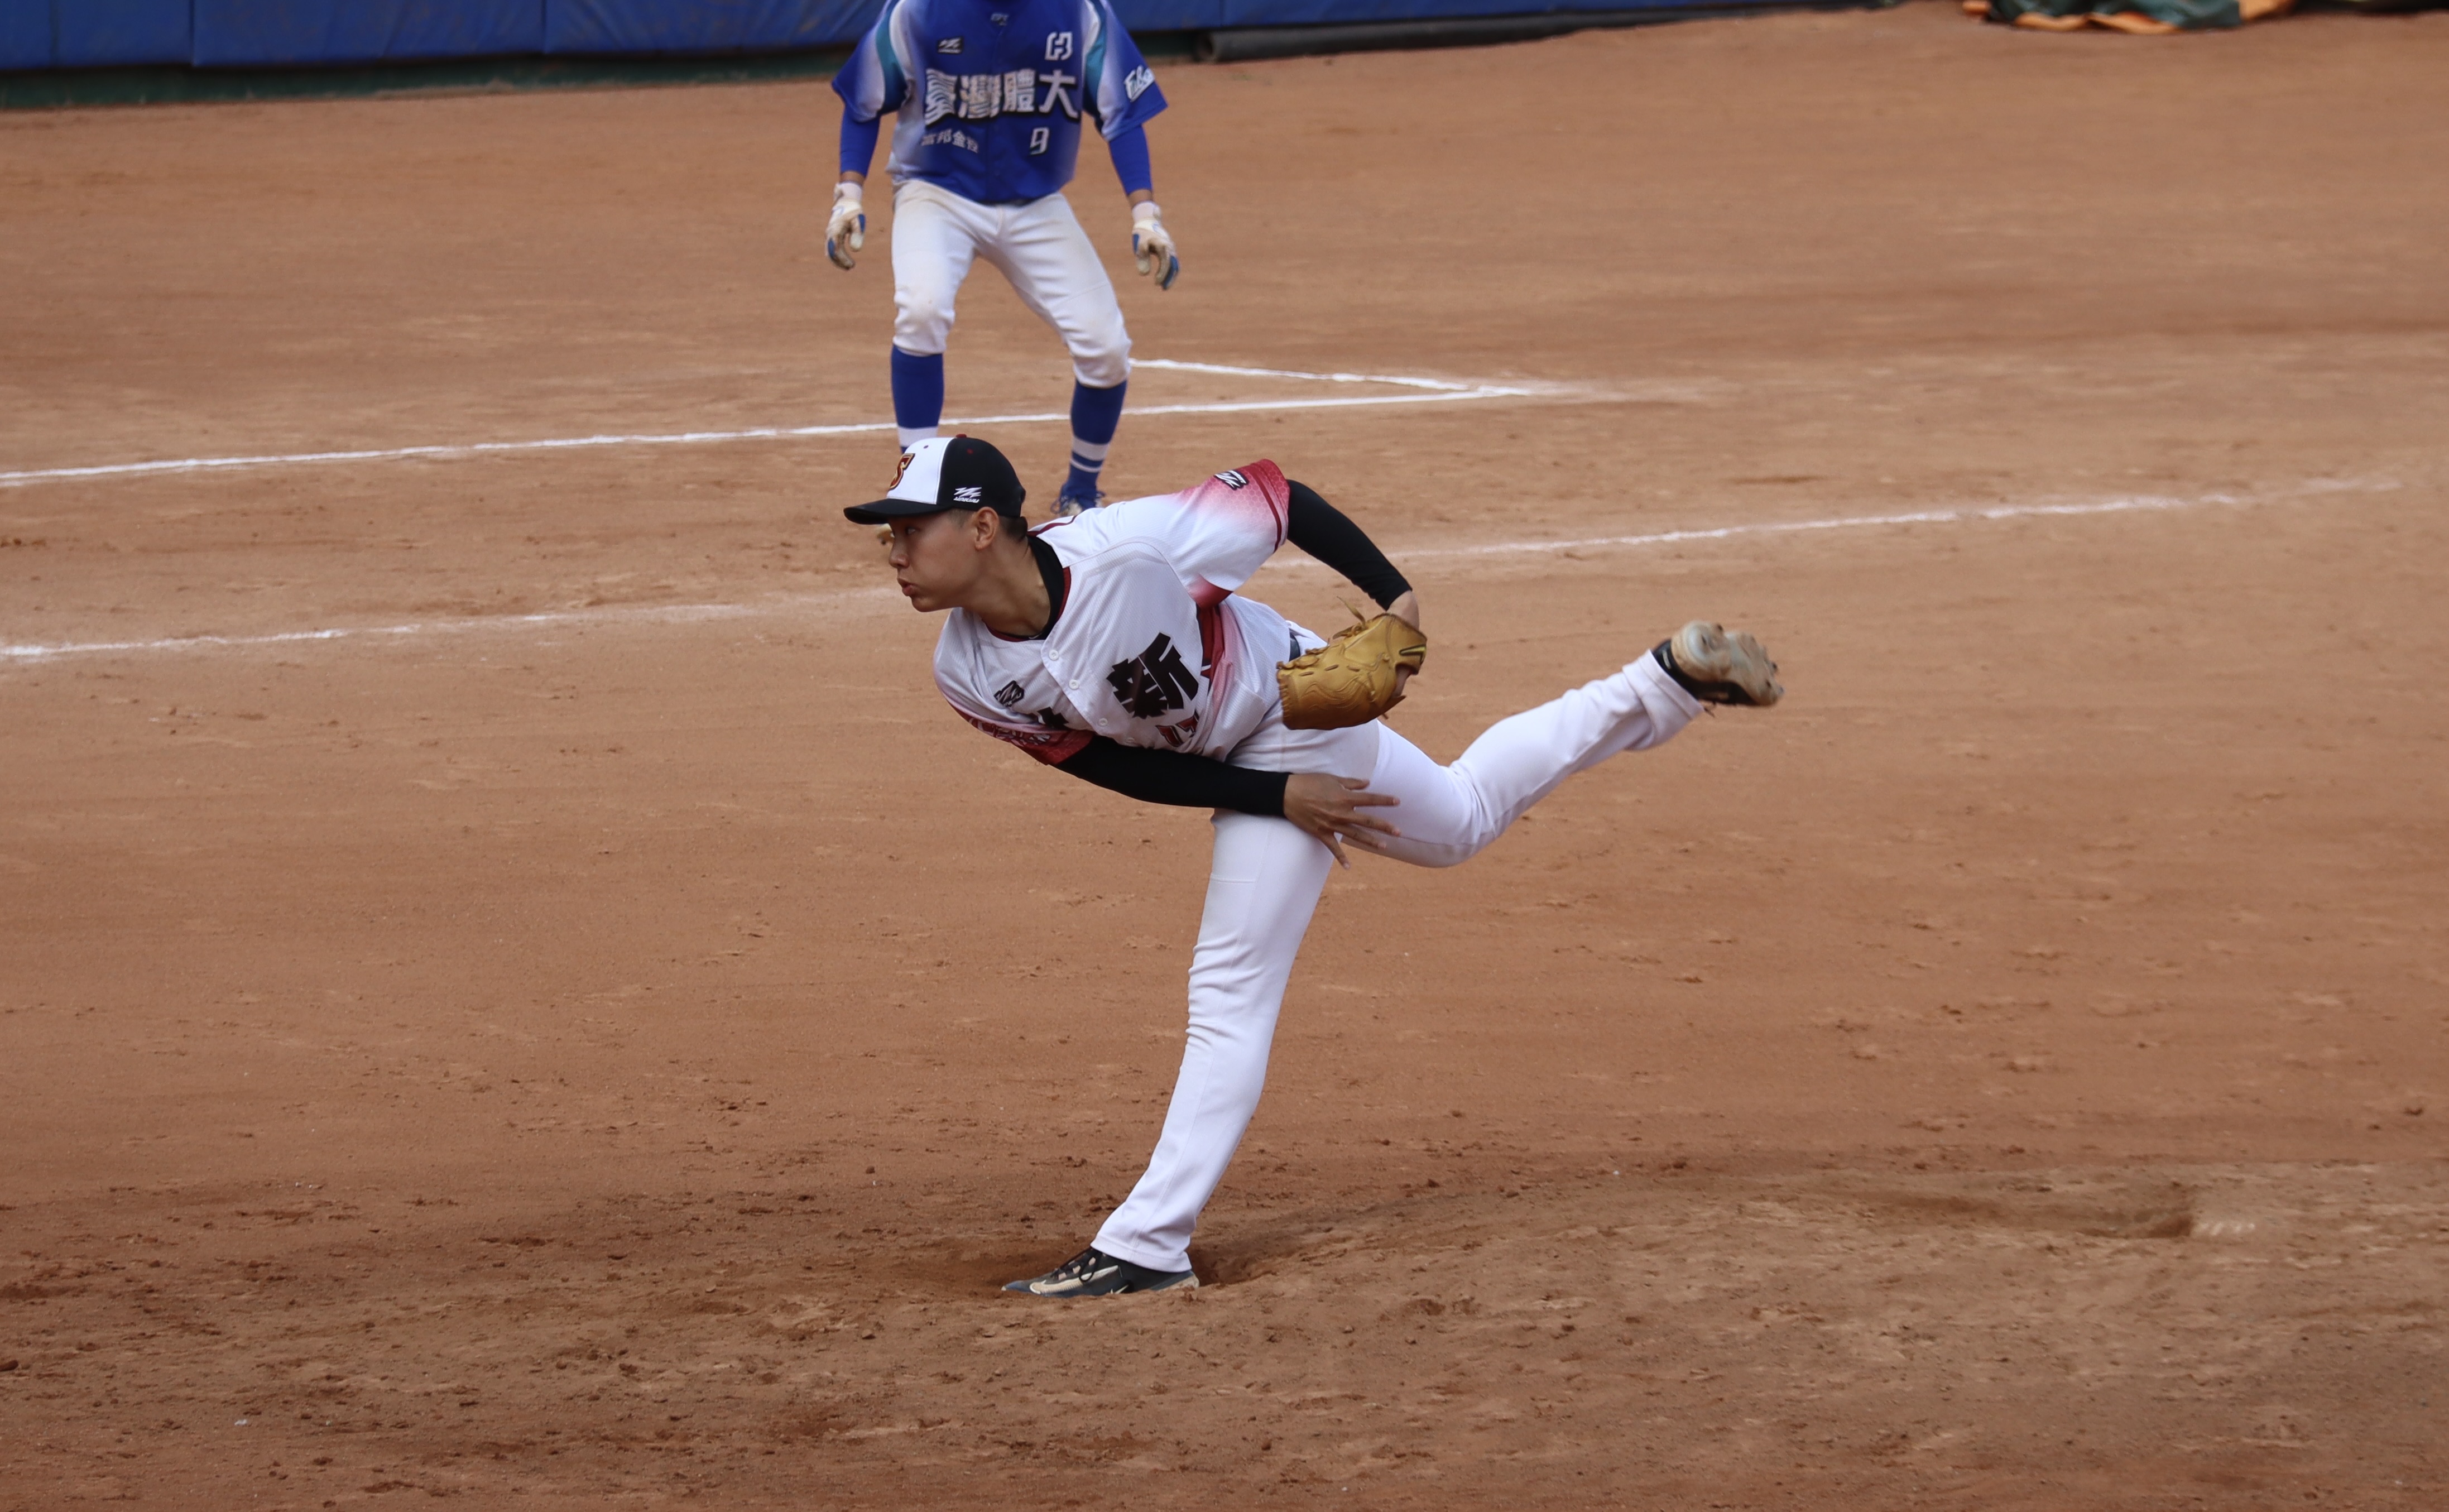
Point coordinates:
[[1152, 245], [846, 228]]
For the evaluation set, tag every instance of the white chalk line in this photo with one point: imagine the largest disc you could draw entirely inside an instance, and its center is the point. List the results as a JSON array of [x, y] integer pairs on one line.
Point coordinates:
[[2136, 504], [1437, 391], [675, 613], [1447, 384], [685, 613], [1721, 533]]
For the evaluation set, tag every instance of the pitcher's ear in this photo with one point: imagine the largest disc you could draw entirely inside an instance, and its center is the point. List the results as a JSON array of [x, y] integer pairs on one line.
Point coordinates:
[[1010, 527]]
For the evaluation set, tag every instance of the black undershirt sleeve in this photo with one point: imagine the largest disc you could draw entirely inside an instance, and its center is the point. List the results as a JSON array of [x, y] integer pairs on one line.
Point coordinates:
[[1176, 778], [1327, 534]]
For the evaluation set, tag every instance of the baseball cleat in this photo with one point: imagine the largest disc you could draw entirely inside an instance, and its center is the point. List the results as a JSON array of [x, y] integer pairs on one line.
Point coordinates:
[[1094, 1273], [1719, 665], [1070, 504]]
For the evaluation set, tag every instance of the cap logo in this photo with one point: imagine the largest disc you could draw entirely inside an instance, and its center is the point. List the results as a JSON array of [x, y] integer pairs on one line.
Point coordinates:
[[969, 496], [899, 467]]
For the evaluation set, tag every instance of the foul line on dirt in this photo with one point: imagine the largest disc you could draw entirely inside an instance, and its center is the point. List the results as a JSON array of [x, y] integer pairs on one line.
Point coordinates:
[[686, 613], [1443, 385], [2004, 511], [676, 614], [1427, 391]]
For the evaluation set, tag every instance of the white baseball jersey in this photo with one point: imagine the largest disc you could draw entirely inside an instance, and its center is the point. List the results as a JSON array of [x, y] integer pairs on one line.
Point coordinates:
[[1153, 646]]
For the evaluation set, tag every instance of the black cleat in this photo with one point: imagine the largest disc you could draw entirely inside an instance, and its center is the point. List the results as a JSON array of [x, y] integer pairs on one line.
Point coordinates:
[[1719, 665], [1094, 1273]]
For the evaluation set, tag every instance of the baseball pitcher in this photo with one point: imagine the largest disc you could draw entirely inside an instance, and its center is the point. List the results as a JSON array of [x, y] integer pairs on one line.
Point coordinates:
[[1114, 646], [988, 97]]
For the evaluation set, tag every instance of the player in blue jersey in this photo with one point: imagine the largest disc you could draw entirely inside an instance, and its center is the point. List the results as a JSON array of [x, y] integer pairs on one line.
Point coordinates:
[[988, 97]]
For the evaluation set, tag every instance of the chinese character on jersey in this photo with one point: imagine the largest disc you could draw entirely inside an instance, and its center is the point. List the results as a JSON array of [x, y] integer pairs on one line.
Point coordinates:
[[1156, 682], [981, 96], [1061, 93]]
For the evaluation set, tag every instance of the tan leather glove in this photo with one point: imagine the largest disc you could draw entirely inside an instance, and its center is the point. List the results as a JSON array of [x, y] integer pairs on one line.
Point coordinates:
[[1351, 679]]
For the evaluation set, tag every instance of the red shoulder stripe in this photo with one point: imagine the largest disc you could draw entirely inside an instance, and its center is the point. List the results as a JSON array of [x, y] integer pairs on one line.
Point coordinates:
[[1272, 487]]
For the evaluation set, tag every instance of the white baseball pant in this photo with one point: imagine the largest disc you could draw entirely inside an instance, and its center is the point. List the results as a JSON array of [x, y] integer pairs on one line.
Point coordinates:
[[1039, 246], [1264, 885]]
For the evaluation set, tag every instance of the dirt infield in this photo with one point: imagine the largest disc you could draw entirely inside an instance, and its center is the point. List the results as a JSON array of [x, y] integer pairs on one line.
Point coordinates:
[[592, 1028]]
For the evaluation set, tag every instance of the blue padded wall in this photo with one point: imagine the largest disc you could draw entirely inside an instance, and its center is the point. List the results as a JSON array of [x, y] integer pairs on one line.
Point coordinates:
[[254, 34], [25, 33], [1207, 15], [240, 34], [1171, 16], [93, 33], [607, 27]]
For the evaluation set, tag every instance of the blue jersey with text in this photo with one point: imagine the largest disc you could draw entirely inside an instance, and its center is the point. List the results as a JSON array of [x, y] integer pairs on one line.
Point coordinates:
[[989, 93]]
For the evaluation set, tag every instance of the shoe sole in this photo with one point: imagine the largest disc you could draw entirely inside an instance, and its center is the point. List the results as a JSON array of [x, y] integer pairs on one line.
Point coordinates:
[[1188, 1282], [1731, 667]]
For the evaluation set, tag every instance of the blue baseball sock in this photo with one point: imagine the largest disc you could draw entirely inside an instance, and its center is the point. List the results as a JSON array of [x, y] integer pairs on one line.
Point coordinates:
[[1095, 415], [917, 396]]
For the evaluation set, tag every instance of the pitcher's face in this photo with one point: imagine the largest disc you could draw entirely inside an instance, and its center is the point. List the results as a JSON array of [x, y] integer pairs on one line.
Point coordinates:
[[937, 558]]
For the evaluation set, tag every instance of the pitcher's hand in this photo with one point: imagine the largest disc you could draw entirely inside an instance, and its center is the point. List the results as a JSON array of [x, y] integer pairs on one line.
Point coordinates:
[[1330, 811]]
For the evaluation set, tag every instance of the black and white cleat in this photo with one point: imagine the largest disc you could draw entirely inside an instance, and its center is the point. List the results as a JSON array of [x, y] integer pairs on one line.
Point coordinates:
[[1094, 1273], [1719, 665]]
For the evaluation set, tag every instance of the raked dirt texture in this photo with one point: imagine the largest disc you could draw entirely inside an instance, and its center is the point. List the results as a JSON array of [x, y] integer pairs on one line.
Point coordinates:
[[515, 990]]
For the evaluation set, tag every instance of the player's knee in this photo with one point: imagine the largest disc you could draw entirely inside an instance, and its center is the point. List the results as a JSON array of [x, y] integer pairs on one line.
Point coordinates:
[[1101, 373], [1428, 853], [922, 319], [1102, 362]]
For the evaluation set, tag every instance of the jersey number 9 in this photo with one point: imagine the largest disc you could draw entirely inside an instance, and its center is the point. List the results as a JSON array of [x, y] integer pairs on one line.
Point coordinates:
[[1039, 137]]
